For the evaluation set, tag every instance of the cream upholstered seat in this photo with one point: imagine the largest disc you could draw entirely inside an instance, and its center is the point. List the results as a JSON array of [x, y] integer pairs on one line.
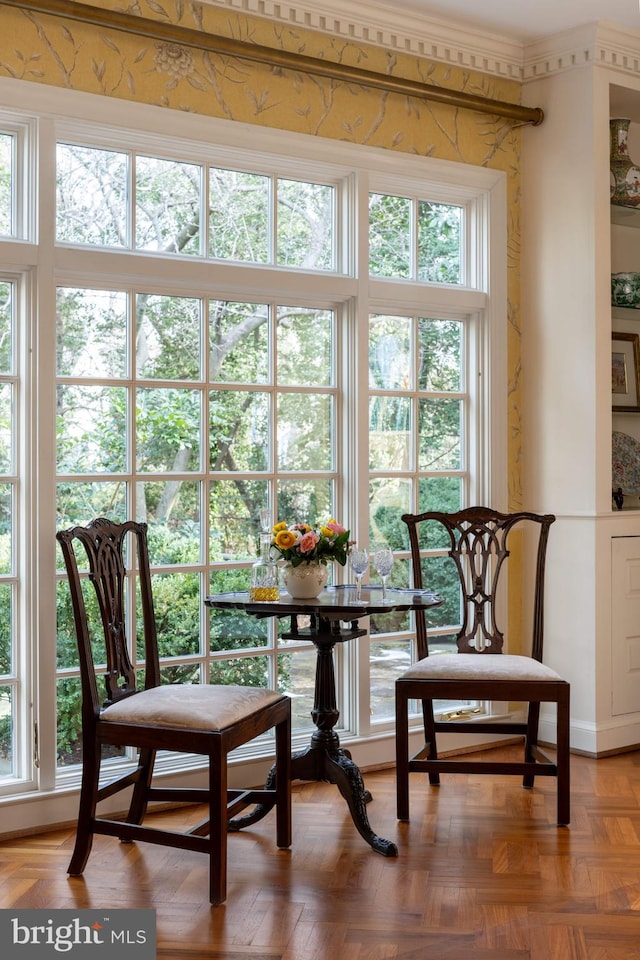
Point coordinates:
[[190, 718], [190, 706], [477, 542], [467, 666]]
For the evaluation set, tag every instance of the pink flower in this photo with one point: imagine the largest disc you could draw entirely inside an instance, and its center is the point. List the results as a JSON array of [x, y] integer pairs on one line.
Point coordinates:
[[335, 527], [308, 542]]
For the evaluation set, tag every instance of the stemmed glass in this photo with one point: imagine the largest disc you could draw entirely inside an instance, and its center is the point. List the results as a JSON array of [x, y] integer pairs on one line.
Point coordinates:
[[383, 562], [359, 560]]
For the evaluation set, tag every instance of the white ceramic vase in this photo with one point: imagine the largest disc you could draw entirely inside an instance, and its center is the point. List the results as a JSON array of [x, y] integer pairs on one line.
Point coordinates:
[[305, 581]]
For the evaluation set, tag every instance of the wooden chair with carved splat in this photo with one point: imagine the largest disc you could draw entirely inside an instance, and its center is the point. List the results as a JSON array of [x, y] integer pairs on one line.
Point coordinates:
[[190, 718], [477, 541]]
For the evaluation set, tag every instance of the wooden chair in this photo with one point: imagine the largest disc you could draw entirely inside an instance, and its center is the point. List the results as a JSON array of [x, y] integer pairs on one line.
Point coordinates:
[[476, 539], [191, 718]]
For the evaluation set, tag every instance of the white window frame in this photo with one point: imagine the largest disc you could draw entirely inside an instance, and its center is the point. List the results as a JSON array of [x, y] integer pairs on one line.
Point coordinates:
[[45, 114]]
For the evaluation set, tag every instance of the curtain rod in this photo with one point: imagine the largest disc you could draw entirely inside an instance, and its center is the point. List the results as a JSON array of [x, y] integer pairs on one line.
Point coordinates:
[[226, 46]]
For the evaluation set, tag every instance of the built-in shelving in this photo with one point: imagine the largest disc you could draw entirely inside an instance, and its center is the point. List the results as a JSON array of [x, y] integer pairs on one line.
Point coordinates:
[[625, 216]]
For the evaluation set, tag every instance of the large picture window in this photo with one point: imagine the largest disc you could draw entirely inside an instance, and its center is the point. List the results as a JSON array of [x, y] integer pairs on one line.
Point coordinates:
[[240, 331]]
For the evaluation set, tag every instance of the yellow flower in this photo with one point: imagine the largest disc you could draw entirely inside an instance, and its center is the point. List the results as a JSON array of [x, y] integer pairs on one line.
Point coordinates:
[[279, 526], [285, 539]]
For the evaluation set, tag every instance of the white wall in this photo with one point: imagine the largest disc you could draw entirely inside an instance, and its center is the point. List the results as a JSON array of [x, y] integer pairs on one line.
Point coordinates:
[[566, 324]]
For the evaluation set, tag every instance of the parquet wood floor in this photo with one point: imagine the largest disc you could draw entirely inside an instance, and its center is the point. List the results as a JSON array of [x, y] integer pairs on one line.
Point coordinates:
[[483, 874]]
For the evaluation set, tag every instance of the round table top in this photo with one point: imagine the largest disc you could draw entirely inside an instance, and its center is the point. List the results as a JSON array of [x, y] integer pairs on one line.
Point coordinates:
[[333, 602]]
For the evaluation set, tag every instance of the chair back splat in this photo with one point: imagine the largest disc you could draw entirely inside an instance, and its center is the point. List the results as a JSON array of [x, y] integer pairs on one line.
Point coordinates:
[[478, 541], [196, 718]]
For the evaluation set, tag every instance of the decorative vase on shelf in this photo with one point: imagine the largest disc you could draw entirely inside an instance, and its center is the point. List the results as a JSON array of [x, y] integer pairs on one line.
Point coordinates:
[[625, 175], [306, 581]]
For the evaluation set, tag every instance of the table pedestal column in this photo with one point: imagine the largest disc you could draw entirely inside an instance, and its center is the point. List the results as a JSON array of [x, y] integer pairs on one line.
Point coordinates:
[[324, 759]]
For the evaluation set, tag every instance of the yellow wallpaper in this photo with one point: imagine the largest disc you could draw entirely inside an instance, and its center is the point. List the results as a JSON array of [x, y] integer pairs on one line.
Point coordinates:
[[77, 56]]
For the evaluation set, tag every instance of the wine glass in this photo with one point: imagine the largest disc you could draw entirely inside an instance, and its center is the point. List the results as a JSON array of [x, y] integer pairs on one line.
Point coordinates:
[[359, 560], [383, 562]]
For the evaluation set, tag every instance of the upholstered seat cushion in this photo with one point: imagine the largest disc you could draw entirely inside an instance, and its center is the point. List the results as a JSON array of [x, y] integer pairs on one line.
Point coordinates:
[[476, 666], [191, 706]]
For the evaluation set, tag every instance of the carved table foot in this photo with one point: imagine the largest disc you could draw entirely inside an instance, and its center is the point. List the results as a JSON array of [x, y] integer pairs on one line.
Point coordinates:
[[346, 775]]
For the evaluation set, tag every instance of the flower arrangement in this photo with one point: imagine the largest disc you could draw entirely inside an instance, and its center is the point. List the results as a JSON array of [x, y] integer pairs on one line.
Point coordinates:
[[303, 543]]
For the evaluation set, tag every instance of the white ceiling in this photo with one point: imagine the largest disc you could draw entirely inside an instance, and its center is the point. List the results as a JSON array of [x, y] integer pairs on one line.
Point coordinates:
[[523, 20]]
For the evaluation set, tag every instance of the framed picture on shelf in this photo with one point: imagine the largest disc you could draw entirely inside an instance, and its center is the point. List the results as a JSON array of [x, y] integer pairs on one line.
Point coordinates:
[[625, 372]]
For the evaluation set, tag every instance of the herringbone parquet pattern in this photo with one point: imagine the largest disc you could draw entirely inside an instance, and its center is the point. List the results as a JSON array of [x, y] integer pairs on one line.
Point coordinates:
[[483, 874]]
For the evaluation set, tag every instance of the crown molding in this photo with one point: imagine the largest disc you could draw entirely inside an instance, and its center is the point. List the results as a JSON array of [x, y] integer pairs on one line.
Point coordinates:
[[594, 44], [366, 21], [449, 42]]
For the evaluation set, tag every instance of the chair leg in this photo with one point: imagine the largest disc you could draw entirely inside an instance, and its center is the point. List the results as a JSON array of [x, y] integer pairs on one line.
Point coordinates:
[[140, 797], [218, 826], [430, 738], [402, 756], [563, 762], [91, 755], [531, 740], [283, 783]]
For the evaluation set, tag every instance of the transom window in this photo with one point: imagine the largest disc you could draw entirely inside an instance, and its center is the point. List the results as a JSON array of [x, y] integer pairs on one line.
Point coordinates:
[[108, 198]]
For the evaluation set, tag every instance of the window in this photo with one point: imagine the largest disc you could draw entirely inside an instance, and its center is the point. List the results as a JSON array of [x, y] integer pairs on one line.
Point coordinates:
[[241, 324], [11, 690]]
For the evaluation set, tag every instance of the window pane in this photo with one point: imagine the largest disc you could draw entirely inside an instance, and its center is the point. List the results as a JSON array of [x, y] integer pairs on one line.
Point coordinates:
[[7, 733], [239, 344], [6, 184], [234, 523], [7, 665], [439, 493], [389, 498], [168, 335], [389, 433], [6, 327], [6, 427], [172, 511], [302, 499], [6, 528], [390, 353], [305, 225], [439, 430], [67, 645], [236, 630], [77, 503], [389, 236], [304, 432], [239, 424], [69, 733], [92, 196], [168, 430], [439, 574], [439, 235], [179, 673], [91, 429], [91, 328], [296, 677], [168, 206], [244, 671], [388, 660], [440, 355], [238, 216], [305, 347], [177, 604]]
